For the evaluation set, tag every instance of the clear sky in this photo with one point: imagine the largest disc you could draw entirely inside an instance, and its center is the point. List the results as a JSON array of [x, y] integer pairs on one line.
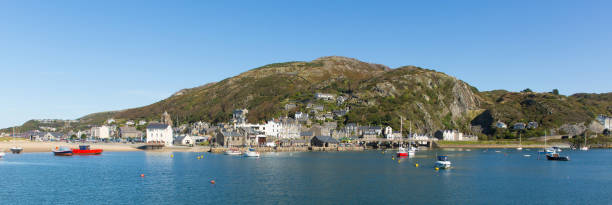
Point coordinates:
[[65, 59]]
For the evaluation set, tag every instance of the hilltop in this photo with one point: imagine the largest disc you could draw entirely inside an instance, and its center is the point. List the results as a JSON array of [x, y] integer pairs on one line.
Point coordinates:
[[372, 94]]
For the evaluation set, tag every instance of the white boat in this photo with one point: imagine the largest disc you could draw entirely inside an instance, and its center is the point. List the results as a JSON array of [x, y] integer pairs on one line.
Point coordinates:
[[520, 147], [547, 150], [584, 147], [251, 153], [233, 152], [443, 163], [2, 155], [412, 150], [16, 150]]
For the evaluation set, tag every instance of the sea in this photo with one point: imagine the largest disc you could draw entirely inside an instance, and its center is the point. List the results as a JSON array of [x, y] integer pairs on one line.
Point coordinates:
[[478, 176]]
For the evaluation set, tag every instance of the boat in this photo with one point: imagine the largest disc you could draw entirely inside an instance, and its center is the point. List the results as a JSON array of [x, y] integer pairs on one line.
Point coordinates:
[[86, 150], [401, 152], [62, 151], [520, 147], [2, 155], [555, 156], [443, 163], [547, 150], [412, 150], [585, 147], [233, 152], [16, 150], [251, 153]]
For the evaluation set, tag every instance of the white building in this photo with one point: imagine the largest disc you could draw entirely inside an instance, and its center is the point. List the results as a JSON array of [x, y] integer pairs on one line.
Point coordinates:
[[454, 135], [159, 133], [184, 140], [289, 129], [388, 132], [272, 128], [102, 132], [605, 121]]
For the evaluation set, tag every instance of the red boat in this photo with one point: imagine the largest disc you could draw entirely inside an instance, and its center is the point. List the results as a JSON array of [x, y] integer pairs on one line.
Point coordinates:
[[402, 152], [85, 150]]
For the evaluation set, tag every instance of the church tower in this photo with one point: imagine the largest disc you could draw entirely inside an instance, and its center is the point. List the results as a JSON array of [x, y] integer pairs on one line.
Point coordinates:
[[166, 119]]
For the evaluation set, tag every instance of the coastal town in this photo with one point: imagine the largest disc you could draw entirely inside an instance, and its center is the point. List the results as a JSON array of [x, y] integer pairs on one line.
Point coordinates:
[[315, 129]]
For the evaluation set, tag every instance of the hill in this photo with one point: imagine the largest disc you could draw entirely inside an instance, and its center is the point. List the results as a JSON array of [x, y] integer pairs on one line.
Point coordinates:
[[374, 94]]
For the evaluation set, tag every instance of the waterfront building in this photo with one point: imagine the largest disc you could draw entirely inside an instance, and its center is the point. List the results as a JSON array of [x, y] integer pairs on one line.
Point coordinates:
[[102, 132], [184, 140], [129, 132], [130, 123], [289, 128], [142, 122], [230, 139], [272, 128], [351, 128], [52, 136], [454, 135], [324, 141], [159, 133], [307, 135], [369, 134]]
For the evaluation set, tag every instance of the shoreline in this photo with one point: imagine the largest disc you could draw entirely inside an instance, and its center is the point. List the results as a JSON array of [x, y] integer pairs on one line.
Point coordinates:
[[32, 147]]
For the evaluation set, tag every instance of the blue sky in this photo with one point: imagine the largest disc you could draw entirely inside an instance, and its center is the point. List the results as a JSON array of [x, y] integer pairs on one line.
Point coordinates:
[[65, 59]]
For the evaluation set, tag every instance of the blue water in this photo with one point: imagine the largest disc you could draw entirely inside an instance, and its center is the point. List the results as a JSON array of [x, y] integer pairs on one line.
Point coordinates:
[[479, 176]]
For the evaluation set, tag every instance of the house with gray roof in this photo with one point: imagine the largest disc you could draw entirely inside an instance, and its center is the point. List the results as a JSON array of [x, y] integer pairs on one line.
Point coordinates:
[[324, 141]]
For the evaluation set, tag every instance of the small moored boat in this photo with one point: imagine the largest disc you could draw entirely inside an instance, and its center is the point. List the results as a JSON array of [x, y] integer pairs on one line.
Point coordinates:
[[403, 152], [251, 153], [2, 154], [556, 157], [16, 150], [443, 163], [233, 152], [86, 150], [62, 151]]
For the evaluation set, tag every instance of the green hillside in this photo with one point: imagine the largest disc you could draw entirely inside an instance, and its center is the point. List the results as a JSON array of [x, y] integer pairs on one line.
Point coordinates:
[[375, 94]]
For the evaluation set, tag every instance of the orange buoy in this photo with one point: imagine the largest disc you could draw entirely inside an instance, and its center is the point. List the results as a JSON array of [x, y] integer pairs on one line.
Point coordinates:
[[141, 175], [212, 181]]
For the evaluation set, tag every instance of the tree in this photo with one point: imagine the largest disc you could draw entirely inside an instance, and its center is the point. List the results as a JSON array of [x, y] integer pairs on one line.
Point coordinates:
[[527, 90], [555, 91], [83, 136], [73, 137]]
